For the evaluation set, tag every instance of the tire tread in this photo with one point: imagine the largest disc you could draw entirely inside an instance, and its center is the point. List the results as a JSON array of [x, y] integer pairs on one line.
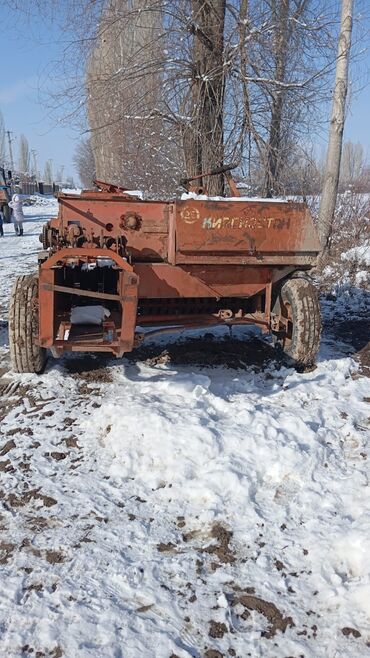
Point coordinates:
[[302, 296], [25, 354]]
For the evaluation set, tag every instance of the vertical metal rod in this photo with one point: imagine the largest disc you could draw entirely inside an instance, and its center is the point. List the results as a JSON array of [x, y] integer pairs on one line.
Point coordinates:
[[268, 295]]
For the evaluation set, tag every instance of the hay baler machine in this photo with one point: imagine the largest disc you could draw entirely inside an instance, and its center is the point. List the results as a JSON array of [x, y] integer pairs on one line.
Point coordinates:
[[115, 270]]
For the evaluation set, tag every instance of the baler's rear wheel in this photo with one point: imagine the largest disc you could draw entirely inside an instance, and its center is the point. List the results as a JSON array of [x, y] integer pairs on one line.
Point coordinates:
[[25, 354], [297, 328]]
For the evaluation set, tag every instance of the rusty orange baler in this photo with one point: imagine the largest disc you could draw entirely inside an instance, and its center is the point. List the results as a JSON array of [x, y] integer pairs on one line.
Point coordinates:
[[159, 266]]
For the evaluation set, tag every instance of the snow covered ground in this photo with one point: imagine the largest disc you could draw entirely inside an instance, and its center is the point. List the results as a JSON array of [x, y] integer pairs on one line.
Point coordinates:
[[18, 255], [167, 505]]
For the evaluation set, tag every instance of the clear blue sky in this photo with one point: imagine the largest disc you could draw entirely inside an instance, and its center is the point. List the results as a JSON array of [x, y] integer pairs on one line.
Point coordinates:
[[26, 48], [25, 51]]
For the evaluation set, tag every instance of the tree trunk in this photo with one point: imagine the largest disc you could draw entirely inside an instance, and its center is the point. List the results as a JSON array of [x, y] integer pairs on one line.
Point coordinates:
[[332, 168], [281, 51], [273, 147], [203, 138]]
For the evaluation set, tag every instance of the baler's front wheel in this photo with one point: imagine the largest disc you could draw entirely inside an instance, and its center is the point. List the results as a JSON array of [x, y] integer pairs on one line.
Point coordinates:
[[25, 353], [297, 321]]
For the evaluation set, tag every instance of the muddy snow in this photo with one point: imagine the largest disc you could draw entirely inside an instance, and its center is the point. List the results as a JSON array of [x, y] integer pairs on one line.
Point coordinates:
[[195, 499]]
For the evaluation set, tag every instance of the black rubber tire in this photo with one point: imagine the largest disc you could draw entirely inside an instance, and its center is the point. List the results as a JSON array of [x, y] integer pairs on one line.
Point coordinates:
[[7, 214], [25, 354], [302, 298]]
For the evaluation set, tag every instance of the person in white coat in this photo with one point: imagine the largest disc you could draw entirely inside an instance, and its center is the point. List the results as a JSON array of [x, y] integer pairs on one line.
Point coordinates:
[[17, 206]]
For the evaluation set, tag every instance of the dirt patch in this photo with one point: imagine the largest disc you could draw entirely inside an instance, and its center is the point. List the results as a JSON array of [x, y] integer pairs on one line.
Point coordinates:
[[347, 630], [23, 499], [213, 653], [48, 501], [353, 339], [20, 430], [85, 389], [221, 549], [208, 351], [71, 442], [145, 608], [56, 652], [7, 447], [6, 552], [163, 548], [67, 421], [6, 466], [58, 456], [7, 406], [38, 523], [217, 629], [34, 587], [90, 368], [363, 357], [55, 557], [276, 620], [33, 494]]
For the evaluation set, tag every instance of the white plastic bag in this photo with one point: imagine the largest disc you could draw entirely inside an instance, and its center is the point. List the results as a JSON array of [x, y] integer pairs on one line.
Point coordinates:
[[89, 314]]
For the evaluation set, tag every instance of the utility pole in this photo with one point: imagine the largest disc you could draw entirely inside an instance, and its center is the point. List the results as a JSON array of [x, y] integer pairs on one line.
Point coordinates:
[[9, 133], [334, 153]]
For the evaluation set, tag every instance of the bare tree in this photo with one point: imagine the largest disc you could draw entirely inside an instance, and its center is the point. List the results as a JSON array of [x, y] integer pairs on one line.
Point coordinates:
[[281, 48], [24, 157], [85, 163], [48, 172], [203, 134], [289, 56], [230, 79], [352, 164], [131, 141], [175, 85], [285, 19], [333, 159], [70, 182], [59, 176]]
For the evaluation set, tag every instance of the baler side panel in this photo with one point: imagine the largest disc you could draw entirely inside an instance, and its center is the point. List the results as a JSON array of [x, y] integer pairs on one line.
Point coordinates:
[[251, 230], [162, 280]]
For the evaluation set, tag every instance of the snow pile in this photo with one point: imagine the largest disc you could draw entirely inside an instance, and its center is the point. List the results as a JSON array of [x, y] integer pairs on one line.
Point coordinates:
[[138, 193], [47, 203], [360, 254], [203, 197], [71, 190]]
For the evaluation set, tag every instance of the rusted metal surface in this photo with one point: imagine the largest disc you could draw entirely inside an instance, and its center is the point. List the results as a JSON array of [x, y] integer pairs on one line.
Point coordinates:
[[185, 263], [53, 316], [240, 229]]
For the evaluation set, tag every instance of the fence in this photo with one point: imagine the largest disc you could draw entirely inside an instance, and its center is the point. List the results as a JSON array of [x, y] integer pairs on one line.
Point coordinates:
[[39, 188]]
